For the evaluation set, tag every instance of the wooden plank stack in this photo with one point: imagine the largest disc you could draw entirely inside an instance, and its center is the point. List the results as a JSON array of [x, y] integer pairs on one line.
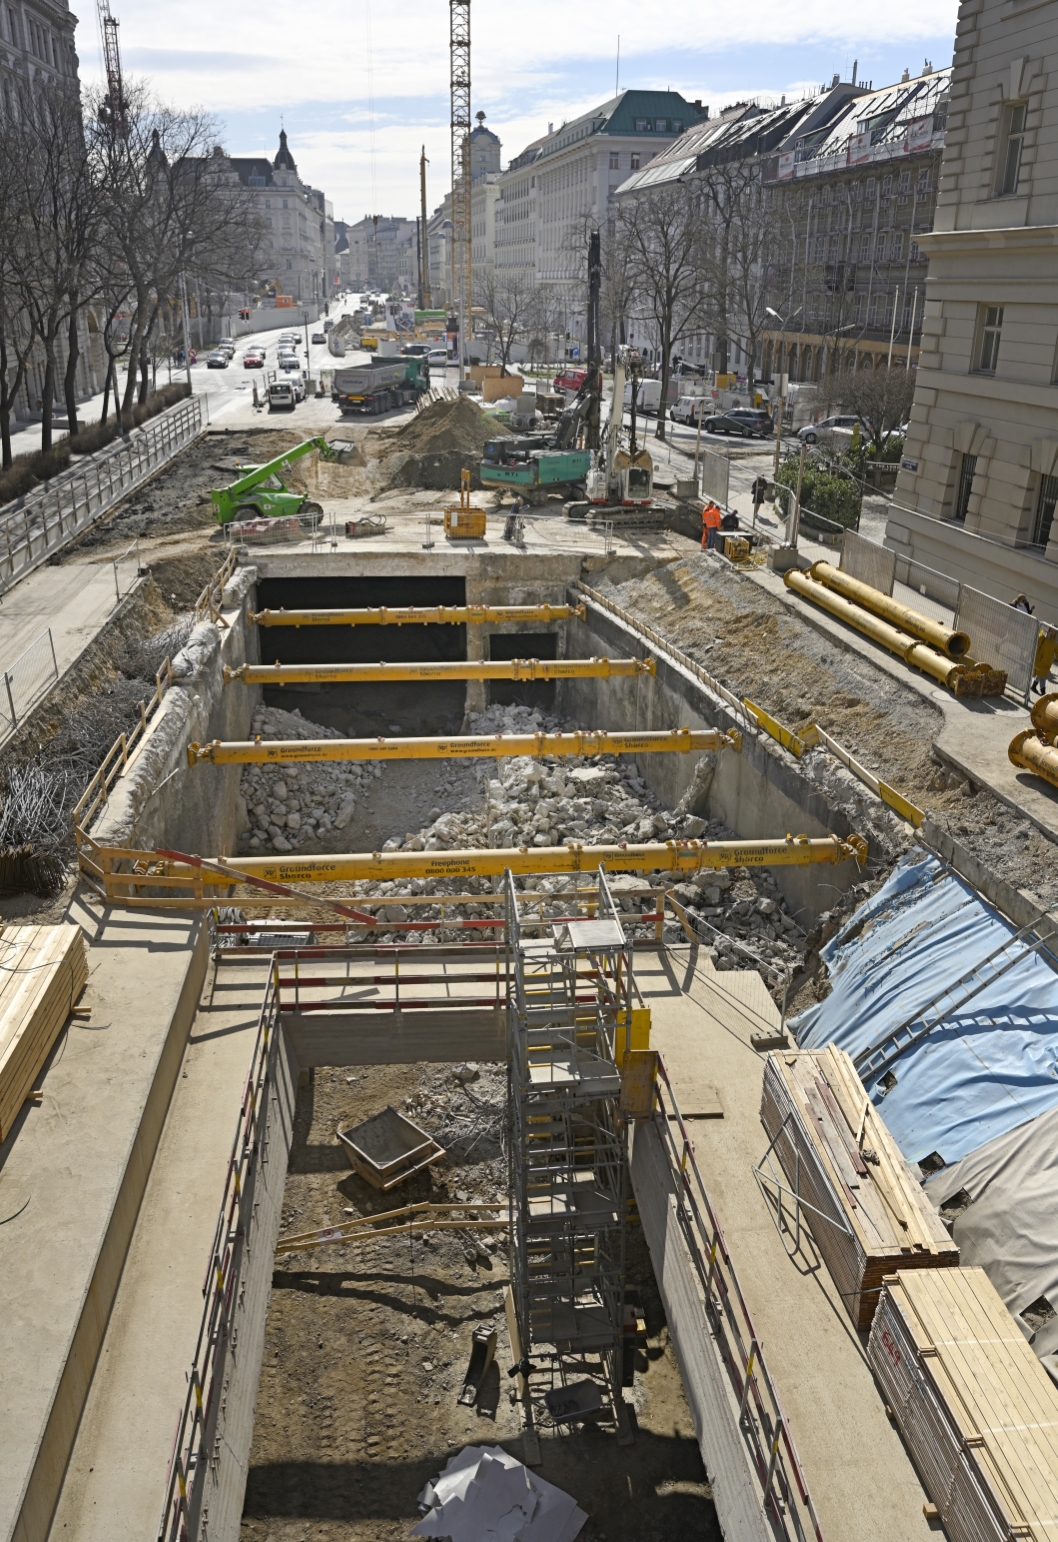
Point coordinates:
[[868, 1216], [43, 970], [977, 1410]]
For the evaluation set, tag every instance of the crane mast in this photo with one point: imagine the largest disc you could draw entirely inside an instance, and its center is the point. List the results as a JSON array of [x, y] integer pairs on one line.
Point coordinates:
[[424, 256], [115, 100], [462, 276]]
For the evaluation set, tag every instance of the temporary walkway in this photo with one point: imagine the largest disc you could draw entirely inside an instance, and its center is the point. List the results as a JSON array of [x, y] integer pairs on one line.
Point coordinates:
[[858, 1473]]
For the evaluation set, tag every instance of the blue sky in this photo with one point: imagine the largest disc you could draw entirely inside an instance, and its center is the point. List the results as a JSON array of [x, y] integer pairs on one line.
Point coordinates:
[[361, 87]]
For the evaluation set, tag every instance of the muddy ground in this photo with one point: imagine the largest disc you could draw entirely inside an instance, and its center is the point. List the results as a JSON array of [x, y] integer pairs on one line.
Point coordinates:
[[750, 641], [366, 1346]]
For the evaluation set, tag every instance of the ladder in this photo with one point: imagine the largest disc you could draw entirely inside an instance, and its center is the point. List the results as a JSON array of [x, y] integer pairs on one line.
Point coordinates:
[[1030, 939]]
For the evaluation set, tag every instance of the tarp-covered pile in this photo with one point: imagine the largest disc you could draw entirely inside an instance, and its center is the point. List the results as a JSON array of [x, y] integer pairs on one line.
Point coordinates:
[[979, 1073], [485, 1495]]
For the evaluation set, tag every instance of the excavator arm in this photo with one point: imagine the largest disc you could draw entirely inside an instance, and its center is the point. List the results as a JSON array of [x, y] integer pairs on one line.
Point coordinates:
[[228, 500]]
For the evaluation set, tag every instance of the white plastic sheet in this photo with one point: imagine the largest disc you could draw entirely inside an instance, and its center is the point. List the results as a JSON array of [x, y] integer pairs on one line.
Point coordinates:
[[486, 1495]]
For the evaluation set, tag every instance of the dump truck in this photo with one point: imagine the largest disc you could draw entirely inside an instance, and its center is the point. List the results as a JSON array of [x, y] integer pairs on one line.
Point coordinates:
[[259, 490], [376, 387]]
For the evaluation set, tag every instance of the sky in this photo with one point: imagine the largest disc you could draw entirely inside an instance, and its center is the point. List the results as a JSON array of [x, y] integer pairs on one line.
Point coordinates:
[[361, 89]]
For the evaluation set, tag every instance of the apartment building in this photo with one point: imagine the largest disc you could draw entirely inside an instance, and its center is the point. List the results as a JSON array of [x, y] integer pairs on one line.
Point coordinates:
[[978, 484], [298, 221], [36, 44]]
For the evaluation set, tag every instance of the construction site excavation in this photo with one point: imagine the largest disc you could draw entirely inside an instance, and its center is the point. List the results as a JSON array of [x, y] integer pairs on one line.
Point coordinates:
[[549, 1033]]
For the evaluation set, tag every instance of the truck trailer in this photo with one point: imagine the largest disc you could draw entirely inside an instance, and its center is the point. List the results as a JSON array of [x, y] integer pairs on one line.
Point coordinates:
[[380, 386]]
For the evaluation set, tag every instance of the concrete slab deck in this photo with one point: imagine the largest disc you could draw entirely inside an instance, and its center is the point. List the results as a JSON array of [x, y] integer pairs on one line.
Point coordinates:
[[115, 1480], [859, 1474], [72, 1174]]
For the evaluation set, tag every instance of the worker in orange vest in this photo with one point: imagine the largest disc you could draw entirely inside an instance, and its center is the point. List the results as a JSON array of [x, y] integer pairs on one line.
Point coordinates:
[[711, 518]]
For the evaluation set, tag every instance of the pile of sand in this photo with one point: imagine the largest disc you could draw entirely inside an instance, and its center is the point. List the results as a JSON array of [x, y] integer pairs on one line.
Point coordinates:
[[438, 443]]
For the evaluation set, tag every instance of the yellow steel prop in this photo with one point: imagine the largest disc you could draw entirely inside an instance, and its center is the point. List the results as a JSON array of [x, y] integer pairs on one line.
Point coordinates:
[[1045, 715], [945, 639], [472, 669], [1033, 753], [385, 615], [287, 751]]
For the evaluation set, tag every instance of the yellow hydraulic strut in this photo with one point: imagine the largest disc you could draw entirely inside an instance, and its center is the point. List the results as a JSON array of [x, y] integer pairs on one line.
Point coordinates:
[[471, 669], [288, 751], [385, 615]]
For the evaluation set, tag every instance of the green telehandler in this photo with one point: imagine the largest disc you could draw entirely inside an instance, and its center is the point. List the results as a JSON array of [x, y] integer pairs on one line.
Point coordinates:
[[260, 492]]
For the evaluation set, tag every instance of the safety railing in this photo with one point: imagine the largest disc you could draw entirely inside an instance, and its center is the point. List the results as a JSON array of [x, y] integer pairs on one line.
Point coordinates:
[[96, 794], [194, 1441], [762, 1421], [51, 516], [26, 680], [208, 604]]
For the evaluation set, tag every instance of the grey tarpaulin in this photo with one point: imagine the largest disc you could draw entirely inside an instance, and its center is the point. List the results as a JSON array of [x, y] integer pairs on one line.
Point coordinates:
[[1010, 1227]]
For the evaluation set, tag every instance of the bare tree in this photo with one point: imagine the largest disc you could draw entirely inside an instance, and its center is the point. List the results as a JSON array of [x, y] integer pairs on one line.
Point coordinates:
[[882, 398], [16, 329], [508, 302], [660, 235]]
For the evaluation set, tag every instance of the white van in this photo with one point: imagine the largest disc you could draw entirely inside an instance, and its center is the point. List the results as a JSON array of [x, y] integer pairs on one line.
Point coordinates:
[[688, 410], [282, 396], [648, 398]]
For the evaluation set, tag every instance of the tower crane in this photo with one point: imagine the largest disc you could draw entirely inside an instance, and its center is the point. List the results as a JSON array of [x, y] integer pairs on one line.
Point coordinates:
[[462, 275], [114, 111]]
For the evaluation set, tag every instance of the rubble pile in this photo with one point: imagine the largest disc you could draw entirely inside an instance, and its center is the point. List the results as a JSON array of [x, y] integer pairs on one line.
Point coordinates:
[[290, 807], [435, 446], [527, 802]]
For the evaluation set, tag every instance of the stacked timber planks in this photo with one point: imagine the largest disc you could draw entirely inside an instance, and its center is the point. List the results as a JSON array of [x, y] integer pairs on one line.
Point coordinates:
[[868, 1216], [43, 970], [977, 1410]]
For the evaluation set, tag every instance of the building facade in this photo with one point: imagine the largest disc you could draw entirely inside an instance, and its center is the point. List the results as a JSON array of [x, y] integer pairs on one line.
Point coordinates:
[[383, 254], [36, 45], [298, 223], [978, 484]]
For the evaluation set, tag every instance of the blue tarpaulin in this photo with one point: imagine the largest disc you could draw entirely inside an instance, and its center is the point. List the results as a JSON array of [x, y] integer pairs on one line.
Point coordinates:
[[986, 1069]]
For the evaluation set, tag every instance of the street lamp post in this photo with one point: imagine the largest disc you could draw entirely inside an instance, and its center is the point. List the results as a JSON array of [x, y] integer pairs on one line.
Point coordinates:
[[784, 377]]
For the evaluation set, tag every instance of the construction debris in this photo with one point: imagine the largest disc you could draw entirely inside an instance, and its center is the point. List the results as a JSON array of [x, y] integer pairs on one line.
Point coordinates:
[[866, 1213], [43, 970], [484, 1493]]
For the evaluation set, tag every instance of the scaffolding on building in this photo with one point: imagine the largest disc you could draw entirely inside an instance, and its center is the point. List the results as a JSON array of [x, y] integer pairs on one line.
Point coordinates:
[[569, 1016]]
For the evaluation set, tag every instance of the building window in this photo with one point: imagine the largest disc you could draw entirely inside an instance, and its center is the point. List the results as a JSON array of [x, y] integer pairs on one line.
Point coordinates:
[[661, 125], [635, 162], [870, 190], [989, 327], [898, 247], [966, 482], [865, 248], [881, 248], [642, 126], [887, 186], [677, 125], [905, 181], [1010, 158], [615, 160], [1046, 499], [915, 255]]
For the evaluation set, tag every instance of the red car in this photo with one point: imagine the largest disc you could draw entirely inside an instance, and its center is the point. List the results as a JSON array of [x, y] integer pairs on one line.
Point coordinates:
[[253, 361], [570, 380]]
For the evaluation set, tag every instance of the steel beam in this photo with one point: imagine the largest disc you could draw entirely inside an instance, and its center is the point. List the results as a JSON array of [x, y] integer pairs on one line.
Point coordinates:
[[406, 615], [471, 669], [682, 741]]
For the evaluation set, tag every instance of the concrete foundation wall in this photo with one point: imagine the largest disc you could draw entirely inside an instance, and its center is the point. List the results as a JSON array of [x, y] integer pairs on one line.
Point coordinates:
[[161, 801], [709, 1395], [399, 1038], [760, 793]]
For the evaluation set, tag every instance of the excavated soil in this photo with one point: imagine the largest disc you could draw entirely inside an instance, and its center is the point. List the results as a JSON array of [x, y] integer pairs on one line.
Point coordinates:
[[438, 444], [366, 1345], [757, 647]]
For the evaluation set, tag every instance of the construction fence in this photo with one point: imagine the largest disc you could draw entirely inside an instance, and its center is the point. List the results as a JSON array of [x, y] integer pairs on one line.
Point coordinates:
[[26, 680], [51, 516], [999, 635]]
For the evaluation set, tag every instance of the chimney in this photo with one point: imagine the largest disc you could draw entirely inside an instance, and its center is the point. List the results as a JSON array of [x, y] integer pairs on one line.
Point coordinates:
[[905, 76], [834, 82], [707, 115], [855, 66], [698, 106]]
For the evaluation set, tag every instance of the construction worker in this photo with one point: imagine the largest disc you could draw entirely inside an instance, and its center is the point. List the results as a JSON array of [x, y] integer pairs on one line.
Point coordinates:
[[711, 518], [1046, 646]]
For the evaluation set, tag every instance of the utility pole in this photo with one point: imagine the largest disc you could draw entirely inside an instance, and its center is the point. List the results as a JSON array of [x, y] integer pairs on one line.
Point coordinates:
[[187, 330], [462, 275], [424, 260]]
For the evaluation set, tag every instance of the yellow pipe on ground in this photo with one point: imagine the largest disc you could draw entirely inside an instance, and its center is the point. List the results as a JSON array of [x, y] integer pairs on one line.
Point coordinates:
[[907, 648], [1045, 715], [1028, 751], [288, 751], [668, 856], [385, 615], [471, 669], [945, 639]]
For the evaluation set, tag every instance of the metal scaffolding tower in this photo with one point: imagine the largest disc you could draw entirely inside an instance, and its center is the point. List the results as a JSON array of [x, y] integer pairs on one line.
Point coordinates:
[[462, 277], [569, 1007]]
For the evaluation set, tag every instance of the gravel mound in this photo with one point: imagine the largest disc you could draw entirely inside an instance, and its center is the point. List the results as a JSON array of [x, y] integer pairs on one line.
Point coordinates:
[[439, 442]]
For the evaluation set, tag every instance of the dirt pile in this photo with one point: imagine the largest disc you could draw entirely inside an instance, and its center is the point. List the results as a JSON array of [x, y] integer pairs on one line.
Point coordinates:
[[439, 442]]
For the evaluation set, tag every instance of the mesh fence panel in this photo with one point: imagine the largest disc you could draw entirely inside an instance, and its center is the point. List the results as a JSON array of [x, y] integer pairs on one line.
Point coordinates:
[[933, 594], [999, 635], [25, 680], [866, 560], [715, 472]]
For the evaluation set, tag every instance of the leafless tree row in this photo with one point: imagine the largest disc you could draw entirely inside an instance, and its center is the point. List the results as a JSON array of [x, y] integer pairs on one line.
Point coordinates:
[[104, 223]]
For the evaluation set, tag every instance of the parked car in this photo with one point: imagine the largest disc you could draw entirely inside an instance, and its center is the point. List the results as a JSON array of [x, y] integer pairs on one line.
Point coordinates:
[[437, 358], [750, 422], [281, 396], [218, 359], [319, 337], [289, 362], [570, 380], [416, 350], [253, 360], [812, 431], [689, 409], [327, 326]]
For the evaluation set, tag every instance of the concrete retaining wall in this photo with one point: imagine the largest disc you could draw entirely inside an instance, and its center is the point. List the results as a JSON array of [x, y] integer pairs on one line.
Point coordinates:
[[161, 801], [760, 793]]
